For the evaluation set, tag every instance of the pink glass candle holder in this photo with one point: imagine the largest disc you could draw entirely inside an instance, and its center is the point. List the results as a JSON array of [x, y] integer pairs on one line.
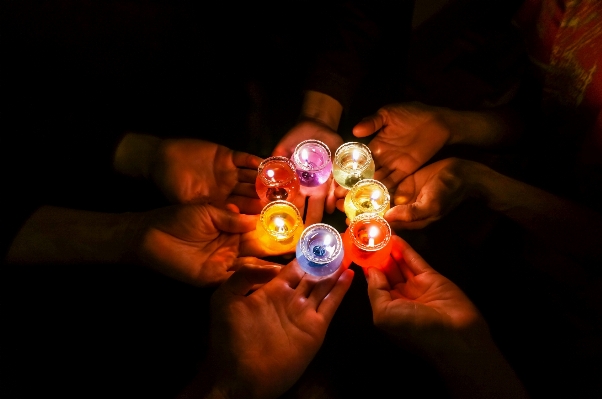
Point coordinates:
[[320, 250], [367, 196], [276, 180], [279, 226], [367, 240], [312, 161], [352, 162]]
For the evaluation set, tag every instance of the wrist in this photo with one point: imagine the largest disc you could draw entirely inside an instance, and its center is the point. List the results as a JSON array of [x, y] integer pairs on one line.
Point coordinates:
[[135, 154], [321, 108]]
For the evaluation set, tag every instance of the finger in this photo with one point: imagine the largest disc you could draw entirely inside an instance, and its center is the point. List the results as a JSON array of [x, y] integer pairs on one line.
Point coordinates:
[[340, 192], [340, 204], [333, 299], [232, 208], [379, 290], [245, 190], [315, 209], [394, 178], [331, 198], [248, 276], [405, 192], [246, 160], [416, 264], [292, 274], [323, 286], [395, 269], [231, 222], [247, 175], [368, 125], [240, 262]]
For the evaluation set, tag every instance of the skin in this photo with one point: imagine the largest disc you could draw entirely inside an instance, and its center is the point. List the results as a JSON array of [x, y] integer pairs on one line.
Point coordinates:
[[424, 312], [261, 341]]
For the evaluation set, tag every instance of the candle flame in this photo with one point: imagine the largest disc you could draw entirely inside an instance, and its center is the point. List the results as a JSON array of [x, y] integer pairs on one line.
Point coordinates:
[[355, 155], [279, 223], [372, 233], [304, 155], [375, 195], [327, 239], [270, 173]]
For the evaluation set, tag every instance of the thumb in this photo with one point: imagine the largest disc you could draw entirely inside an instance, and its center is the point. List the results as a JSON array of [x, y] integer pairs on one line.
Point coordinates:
[[378, 288], [368, 125], [245, 278], [232, 222]]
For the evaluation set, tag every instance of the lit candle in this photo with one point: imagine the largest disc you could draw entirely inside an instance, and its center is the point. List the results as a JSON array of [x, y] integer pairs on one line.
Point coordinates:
[[367, 196], [320, 250], [279, 226], [312, 161], [352, 162], [367, 240], [276, 180]]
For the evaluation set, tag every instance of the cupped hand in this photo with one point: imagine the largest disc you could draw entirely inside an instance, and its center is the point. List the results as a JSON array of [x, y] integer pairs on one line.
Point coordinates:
[[408, 135], [321, 197], [262, 341], [198, 171], [430, 193], [419, 308], [197, 244]]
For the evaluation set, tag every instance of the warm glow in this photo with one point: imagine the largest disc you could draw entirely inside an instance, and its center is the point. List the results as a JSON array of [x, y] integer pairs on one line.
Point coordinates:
[[304, 155], [327, 240], [372, 233], [279, 222], [375, 195], [355, 155], [270, 173]]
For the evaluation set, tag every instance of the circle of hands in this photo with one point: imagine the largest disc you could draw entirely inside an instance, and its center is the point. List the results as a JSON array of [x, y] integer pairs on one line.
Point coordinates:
[[268, 321]]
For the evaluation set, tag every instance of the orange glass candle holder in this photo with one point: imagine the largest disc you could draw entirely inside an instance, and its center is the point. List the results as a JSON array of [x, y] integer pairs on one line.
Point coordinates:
[[279, 226], [367, 240], [277, 180], [367, 196]]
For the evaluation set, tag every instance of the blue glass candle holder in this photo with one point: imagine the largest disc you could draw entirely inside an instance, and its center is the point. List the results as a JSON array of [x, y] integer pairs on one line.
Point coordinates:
[[320, 250], [312, 161]]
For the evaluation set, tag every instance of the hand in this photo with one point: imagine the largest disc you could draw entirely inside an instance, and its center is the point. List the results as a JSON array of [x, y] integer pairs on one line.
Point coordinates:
[[322, 196], [197, 244], [424, 312], [409, 135], [197, 171], [261, 342], [430, 193]]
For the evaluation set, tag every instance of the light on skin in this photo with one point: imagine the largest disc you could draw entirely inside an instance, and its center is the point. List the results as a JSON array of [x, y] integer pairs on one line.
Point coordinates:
[[372, 233]]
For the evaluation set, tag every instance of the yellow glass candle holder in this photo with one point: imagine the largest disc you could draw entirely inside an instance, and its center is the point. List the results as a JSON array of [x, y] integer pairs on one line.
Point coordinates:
[[367, 240], [279, 226], [352, 162], [277, 180], [367, 196]]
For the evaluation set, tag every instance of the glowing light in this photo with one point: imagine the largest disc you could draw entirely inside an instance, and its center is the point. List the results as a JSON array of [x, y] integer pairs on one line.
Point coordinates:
[[355, 155], [280, 225], [270, 173], [304, 155], [372, 234]]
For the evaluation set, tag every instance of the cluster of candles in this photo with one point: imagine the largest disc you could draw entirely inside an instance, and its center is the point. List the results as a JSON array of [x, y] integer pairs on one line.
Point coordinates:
[[319, 248]]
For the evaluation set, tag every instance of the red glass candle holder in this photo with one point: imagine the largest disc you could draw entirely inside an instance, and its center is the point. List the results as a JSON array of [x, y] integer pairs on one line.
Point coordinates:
[[277, 180], [367, 240]]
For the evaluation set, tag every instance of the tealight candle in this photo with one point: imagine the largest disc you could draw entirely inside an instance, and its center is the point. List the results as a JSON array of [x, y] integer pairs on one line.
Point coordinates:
[[320, 250], [367, 196], [279, 226], [276, 180], [312, 161], [367, 240], [352, 162]]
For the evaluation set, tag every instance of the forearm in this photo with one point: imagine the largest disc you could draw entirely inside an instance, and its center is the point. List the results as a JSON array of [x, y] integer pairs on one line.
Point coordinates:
[[487, 129], [322, 108], [68, 236], [575, 229], [135, 154], [479, 370]]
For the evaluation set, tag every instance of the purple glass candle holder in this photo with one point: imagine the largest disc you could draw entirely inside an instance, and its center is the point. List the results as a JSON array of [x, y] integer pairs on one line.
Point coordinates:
[[312, 161], [320, 250]]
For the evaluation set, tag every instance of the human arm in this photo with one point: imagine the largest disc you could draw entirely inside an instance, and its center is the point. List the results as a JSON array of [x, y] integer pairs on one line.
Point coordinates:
[[436, 189], [197, 244], [424, 312], [262, 341], [409, 134], [191, 170]]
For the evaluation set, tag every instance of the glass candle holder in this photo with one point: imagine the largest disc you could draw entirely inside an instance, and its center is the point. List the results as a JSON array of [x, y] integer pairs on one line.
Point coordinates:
[[367, 196], [320, 250], [352, 162], [312, 161], [276, 180], [279, 226], [367, 240]]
